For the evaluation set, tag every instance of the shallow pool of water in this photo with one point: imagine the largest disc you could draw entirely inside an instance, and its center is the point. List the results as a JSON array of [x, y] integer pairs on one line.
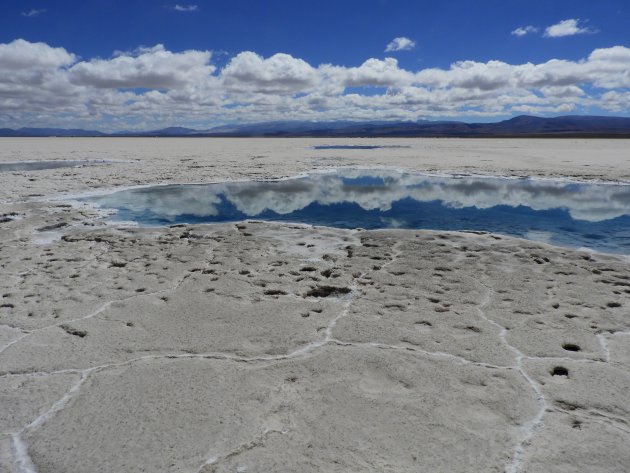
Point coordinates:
[[595, 216]]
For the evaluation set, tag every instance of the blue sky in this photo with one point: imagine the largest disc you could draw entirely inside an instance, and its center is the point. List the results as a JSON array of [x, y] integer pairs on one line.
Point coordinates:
[[201, 63]]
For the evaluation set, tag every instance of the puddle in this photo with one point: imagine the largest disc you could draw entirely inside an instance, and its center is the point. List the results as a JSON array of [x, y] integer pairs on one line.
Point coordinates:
[[595, 216], [41, 165]]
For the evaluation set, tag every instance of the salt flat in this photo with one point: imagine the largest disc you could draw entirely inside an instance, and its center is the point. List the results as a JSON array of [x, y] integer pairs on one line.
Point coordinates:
[[267, 347]]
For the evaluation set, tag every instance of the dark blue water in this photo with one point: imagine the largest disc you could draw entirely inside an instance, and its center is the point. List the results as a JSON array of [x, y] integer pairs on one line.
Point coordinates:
[[595, 216]]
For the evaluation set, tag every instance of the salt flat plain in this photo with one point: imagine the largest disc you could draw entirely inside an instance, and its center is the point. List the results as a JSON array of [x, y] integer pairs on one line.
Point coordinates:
[[263, 347]]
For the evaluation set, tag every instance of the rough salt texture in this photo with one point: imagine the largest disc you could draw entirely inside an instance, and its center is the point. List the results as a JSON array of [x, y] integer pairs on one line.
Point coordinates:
[[265, 347]]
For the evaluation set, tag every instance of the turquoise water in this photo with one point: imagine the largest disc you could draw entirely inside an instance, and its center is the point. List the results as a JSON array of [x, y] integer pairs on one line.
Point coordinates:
[[595, 216]]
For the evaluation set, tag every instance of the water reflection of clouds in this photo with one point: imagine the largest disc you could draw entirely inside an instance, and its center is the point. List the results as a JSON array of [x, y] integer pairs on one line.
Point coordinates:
[[168, 201], [376, 190]]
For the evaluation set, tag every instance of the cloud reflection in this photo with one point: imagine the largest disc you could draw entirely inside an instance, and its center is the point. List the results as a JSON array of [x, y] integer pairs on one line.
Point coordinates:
[[375, 190]]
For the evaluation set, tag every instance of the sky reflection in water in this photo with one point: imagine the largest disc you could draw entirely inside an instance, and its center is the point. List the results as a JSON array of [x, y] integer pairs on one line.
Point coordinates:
[[595, 216]]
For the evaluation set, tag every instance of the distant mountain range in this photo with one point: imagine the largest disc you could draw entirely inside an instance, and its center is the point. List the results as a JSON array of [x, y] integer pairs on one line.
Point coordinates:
[[49, 132], [521, 126]]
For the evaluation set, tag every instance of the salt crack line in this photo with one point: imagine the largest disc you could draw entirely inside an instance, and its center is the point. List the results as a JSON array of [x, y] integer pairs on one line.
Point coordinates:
[[13, 342], [529, 429], [603, 341], [328, 338], [43, 373], [24, 273], [301, 351], [562, 358], [604, 345], [259, 441], [304, 350], [328, 335], [108, 304], [23, 461], [396, 254], [433, 354], [101, 309]]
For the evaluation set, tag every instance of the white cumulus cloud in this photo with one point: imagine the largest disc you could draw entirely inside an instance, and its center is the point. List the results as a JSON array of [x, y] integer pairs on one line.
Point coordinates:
[[375, 73], [33, 12], [185, 8], [568, 27], [400, 44], [154, 68], [280, 73], [524, 30], [21, 54], [150, 87]]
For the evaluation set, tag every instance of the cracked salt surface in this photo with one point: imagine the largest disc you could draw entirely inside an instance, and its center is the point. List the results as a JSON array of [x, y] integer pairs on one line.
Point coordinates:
[[23, 461], [529, 429], [388, 254], [480, 388], [577, 215]]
